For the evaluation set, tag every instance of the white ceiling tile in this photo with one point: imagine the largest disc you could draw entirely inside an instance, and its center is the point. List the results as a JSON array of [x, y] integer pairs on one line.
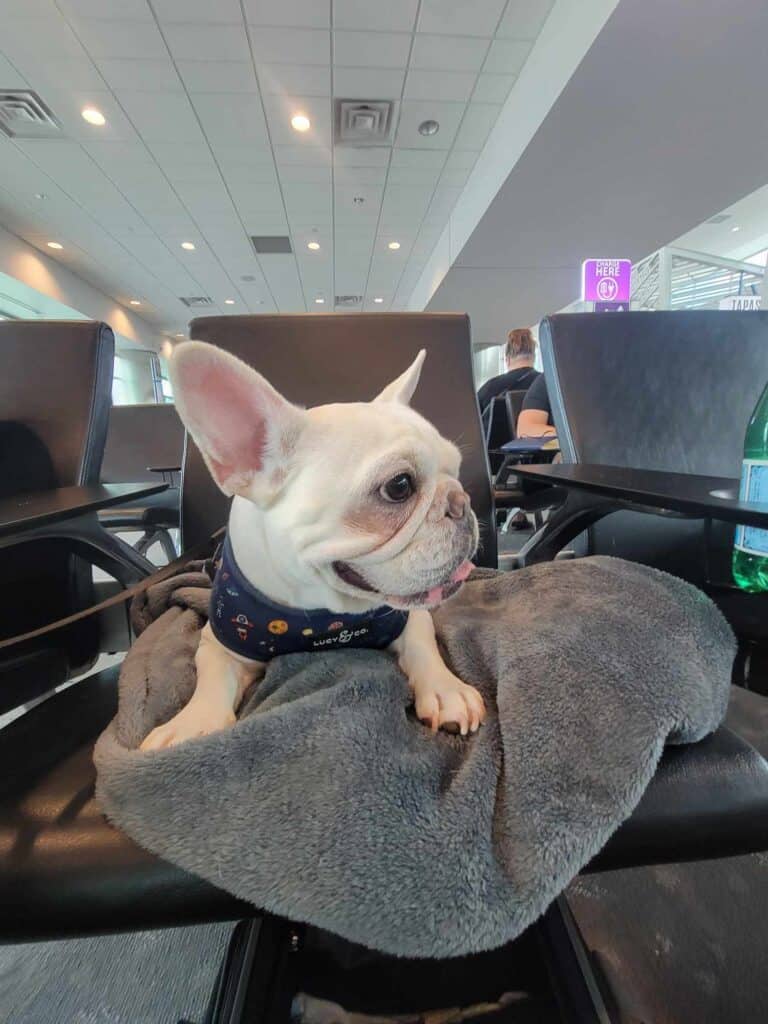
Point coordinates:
[[296, 13], [218, 75], [457, 17], [414, 175], [303, 173], [144, 75], [507, 56], [11, 74], [69, 107], [207, 42], [460, 160], [243, 177], [443, 201], [368, 83], [207, 196], [449, 53], [344, 175], [231, 118], [477, 124], [290, 46], [302, 155], [454, 178], [404, 157], [373, 15], [295, 79], [161, 116], [280, 109], [111, 38], [52, 75], [439, 85], [223, 11], [413, 112], [45, 37], [361, 156], [239, 156], [493, 88], [346, 194], [263, 197], [371, 49], [122, 10], [524, 19]]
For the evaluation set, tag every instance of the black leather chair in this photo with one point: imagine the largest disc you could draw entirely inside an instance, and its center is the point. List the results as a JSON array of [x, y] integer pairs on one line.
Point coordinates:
[[142, 441], [65, 871], [54, 404], [667, 391]]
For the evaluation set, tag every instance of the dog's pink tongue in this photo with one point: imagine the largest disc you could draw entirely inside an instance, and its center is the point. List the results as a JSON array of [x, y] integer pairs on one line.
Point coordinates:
[[435, 595]]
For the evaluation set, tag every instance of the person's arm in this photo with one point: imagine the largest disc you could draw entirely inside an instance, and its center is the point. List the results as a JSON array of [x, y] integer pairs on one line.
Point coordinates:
[[533, 423], [535, 417]]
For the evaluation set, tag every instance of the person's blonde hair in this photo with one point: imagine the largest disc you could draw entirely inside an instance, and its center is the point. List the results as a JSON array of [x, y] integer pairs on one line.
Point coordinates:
[[520, 342]]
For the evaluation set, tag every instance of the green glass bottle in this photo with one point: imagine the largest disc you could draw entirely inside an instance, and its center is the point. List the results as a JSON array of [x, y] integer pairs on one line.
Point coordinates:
[[750, 553]]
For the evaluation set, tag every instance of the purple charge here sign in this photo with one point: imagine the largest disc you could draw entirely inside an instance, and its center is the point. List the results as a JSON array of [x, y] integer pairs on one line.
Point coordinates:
[[606, 280]]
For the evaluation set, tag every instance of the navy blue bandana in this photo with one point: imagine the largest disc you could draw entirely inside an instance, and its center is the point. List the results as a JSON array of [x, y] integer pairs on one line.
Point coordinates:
[[248, 623]]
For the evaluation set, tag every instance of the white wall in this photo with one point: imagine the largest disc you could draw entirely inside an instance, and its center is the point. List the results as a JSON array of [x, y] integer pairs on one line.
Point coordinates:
[[45, 285]]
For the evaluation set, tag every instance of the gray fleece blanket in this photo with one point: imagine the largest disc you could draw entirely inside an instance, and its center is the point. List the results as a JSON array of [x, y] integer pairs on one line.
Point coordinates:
[[329, 803]]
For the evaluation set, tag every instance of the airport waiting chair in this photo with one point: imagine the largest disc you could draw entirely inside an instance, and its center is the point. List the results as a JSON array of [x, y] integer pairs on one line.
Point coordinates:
[[80, 876], [145, 442], [667, 391], [54, 403]]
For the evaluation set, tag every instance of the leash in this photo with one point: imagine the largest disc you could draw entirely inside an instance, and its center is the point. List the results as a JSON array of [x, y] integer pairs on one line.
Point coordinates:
[[128, 594]]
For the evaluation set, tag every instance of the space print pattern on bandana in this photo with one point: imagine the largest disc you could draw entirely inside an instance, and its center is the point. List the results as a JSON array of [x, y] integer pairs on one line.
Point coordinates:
[[246, 622]]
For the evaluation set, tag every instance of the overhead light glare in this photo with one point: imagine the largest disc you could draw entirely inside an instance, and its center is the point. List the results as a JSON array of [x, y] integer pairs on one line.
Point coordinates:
[[93, 116], [736, 228], [314, 246], [378, 300], [300, 123], [135, 302], [189, 246], [393, 246], [319, 301], [229, 302], [55, 245]]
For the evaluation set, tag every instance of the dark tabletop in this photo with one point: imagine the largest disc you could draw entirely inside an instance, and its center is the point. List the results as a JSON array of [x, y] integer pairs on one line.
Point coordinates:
[[714, 497], [40, 508]]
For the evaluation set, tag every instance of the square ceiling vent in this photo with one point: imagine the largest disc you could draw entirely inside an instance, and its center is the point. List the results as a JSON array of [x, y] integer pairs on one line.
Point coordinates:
[[364, 122], [23, 115], [196, 301], [347, 301], [270, 245]]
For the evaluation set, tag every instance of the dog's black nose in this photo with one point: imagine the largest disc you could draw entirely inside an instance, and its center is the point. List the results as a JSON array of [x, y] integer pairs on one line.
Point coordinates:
[[457, 504]]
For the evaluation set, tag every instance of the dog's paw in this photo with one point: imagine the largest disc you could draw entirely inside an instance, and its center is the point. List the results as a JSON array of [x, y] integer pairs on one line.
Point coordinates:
[[195, 720], [444, 702]]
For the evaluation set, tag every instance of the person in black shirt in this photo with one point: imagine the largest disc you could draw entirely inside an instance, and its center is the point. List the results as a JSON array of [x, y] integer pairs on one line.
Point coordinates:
[[520, 354], [535, 419]]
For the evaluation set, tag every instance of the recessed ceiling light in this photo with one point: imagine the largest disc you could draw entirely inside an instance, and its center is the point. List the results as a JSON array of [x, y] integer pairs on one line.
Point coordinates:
[[314, 246], [319, 301], [135, 302], [40, 195], [393, 245], [736, 228], [179, 335], [229, 302], [429, 128], [93, 116], [189, 246], [55, 245], [300, 123], [378, 300]]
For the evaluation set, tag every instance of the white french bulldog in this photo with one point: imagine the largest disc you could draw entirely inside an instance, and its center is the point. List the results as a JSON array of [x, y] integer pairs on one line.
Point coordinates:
[[349, 517]]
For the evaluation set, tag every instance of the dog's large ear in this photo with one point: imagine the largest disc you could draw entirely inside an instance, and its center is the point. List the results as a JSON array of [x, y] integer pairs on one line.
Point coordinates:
[[244, 429], [401, 390]]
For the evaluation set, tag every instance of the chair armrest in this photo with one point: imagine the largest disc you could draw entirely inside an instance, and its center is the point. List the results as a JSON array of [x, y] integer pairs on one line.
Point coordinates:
[[199, 551]]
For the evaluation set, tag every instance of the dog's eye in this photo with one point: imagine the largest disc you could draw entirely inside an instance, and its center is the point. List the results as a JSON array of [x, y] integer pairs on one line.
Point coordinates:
[[399, 488]]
